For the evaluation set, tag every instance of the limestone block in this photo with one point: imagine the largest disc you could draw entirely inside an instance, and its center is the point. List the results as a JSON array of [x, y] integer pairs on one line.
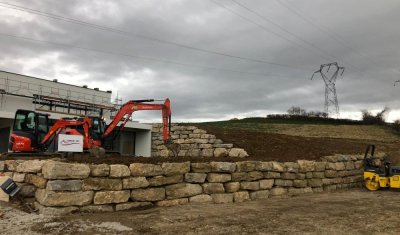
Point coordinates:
[[202, 198], [135, 182], [218, 144], [241, 196], [210, 188], [101, 184], [266, 184], [195, 177], [148, 194], [200, 141], [317, 190], [30, 166], [107, 197], [193, 153], [173, 202], [314, 182], [254, 185], [207, 152], [306, 166], [349, 165], [99, 170], [254, 175], [194, 136], [358, 164], [191, 128], [18, 177], [119, 171], [61, 170], [297, 191], [320, 166], [56, 211], [237, 152], [330, 188], [50, 198], [36, 180], [96, 208], [319, 175], [263, 166], [277, 191], [261, 194], [207, 136], [182, 153], [300, 176], [220, 152], [64, 185], [182, 190], [11, 165], [331, 173], [335, 166], [331, 158], [283, 183], [140, 169], [131, 205], [246, 166], [292, 167], [199, 131], [27, 190], [299, 183], [220, 198], [2, 166], [288, 176], [201, 167], [309, 175], [164, 152], [175, 168], [205, 146], [232, 187], [164, 180], [218, 178], [272, 175], [277, 167], [228, 167]]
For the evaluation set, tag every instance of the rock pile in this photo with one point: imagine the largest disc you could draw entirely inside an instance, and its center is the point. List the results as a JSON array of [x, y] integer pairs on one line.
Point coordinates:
[[194, 142]]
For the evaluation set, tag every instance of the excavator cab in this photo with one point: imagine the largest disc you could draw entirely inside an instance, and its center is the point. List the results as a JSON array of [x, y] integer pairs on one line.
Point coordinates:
[[28, 130]]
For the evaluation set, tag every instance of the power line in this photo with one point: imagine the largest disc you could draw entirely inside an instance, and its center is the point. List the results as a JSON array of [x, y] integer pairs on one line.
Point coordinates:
[[287, 31], [135, 56], [324, 29], [130, 34]]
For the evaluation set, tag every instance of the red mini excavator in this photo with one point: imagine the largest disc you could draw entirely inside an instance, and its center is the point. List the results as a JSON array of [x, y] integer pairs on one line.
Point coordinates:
[[30, 130]]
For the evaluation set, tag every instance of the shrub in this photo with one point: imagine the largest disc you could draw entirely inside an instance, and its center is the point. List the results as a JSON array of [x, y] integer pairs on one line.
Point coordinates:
[[378, 119]]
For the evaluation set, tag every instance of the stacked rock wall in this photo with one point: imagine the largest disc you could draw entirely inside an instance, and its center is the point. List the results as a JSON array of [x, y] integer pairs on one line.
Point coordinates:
[[194, 142], [60, 187]]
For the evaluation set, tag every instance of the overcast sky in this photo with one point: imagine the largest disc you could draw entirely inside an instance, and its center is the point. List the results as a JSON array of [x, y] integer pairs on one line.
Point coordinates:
[[215, 59]]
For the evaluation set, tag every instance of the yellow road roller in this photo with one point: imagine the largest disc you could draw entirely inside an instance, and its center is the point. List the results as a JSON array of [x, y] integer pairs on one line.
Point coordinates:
[[379, 174]]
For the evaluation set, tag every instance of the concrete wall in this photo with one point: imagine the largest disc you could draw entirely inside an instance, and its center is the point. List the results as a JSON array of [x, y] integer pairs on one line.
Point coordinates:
[[61, 188]]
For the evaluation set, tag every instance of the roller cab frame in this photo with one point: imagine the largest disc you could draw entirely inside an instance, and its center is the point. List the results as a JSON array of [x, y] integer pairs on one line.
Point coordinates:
[[375, 176]]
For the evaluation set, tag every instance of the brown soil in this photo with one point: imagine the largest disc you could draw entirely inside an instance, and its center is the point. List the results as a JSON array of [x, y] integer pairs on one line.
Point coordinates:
[[340, 212]]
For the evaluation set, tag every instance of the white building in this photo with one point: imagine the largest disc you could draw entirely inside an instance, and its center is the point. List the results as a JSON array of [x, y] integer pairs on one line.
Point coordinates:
[[64, 100]]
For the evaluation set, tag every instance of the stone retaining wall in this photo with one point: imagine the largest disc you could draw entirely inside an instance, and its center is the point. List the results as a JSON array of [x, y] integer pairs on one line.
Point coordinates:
[[59, 187], [194, 142]]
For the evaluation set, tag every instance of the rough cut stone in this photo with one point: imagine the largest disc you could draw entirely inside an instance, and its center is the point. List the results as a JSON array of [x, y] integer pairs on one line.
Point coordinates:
[[262, 194], [246, 166], [140, 169], [218, 178], [291, 167], [202, 198], [288, 176], [266, 184], [220, 152], [182, 190], [119, 171], [18, 177], [237, 152], [314, 182], [148, 194], [210, 188], [131, 205], [96, 208], [277, 167], [209, 152], [201, 167], [272, 175], [175, 168], [57, 211], [220, 198], [320, 166], [99, 170], [278, 191], [232, 187], [173, 202], [283, 183], [102, 184], [30, 166], [11, 165], [263, 166], [223, 167], [36, 180], [50, 198], [318, 175], [107, 197], [164, 180], [300, 183], [2, 166], [27, 190], [64, 185], [306, 166], [241, 196], [195, 177], [135, 182], [255, 185], [60, 170]]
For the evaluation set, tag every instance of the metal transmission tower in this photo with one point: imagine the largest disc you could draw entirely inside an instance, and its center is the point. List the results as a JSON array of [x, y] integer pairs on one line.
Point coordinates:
[[330, 83]]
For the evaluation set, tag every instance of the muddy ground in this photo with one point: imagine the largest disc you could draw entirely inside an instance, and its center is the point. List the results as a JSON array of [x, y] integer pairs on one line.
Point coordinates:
[[354, 211]]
